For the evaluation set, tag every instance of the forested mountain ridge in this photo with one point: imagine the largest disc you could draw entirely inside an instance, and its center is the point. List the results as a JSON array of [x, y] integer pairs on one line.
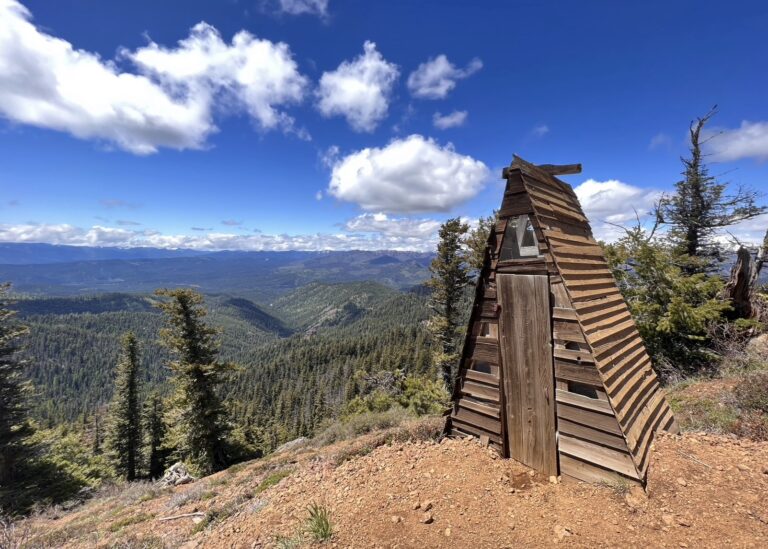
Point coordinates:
[[259, 276], [293, 355]]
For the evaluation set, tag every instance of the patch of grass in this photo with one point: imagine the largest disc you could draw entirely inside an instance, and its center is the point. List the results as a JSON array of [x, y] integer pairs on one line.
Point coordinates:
[[60, 536], [704, 414], [193, 494], [127, 521], [319, 523], [236, 469], [139, 542], [272, 479], [208, 495], [216, 514], [292, 542], [618, 486], [360, 424]]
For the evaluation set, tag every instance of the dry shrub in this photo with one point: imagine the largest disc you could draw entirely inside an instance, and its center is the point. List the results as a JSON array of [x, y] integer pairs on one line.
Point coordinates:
[[751, 395]]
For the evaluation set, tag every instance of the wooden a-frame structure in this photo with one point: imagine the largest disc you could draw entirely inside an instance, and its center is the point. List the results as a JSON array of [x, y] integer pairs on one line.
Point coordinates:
[[553, 371]]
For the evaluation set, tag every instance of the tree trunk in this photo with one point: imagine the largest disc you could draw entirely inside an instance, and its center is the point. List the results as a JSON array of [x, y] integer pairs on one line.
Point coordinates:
[[740, 289]]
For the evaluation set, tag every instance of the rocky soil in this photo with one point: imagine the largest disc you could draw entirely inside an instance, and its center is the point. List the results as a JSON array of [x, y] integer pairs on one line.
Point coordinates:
[[704, 491]]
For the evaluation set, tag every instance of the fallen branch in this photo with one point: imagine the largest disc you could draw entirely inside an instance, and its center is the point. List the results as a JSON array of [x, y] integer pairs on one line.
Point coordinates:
[[185, 515], [692, 458]]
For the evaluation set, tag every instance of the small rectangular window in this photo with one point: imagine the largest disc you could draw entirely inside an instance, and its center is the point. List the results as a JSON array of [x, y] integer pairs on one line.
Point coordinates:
[[582, 389]]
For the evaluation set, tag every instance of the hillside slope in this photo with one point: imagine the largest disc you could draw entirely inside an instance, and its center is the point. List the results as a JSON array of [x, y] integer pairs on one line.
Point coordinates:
[[703, 491]]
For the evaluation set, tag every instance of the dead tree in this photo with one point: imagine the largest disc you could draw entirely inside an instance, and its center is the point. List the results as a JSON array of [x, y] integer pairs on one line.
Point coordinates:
[[741, 289]]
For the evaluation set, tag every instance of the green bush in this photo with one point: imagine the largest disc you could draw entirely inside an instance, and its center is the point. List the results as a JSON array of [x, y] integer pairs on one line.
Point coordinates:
[[674, 311]]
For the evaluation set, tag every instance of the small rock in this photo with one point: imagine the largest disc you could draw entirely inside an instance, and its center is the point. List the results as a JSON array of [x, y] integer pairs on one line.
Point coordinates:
[[669, 520], [553, 479], [395, 519], [426, 506], [447, 532], [426, 518], [685, 521], [765, 469], [416, 506], [562, 532], [743, 468], [681, 481]]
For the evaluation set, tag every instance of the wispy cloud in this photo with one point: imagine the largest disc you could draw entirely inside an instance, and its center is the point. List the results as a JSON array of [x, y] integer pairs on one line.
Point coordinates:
[[452, 120], [127, 223], [199, 229], [435, 78], [114, 203], [750, 140], [659, 141], [231, 223], [540, 130], [378, 238]]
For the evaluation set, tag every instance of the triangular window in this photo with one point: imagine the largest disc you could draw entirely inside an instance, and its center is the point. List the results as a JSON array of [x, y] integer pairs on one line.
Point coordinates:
[[519, 239]]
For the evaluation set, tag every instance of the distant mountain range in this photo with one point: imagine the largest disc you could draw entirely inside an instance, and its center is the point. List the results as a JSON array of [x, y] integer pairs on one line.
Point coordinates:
[[44, 269]]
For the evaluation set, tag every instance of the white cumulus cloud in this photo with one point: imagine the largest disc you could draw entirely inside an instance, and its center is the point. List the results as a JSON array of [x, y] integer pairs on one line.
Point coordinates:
[[453, 120], [612, 201], [47, 82], [437, 77], [394, 226], [358, 90], [214, 241], [750, 140], [414, 174]]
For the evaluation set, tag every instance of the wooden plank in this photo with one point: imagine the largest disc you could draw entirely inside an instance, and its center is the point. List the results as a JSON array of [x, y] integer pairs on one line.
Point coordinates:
[[588, 270], [565, 237], [592, 419], [515, 205], [488, 308], [585, 295], [478, 390], [478, 420], [578, 356], [484, 349], [580, 401], [560, 313], [589, 251], [480, 408], [597, 337], [575, 372], [587, 472], [481, 377], [528, 381], [592, 281], [560, 169], [611, 315], [567, 331], [586, 307], [469, 429], [594, 435], [593, 453]]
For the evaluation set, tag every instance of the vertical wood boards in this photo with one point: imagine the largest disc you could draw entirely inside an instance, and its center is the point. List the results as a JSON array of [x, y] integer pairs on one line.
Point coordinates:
[[528, 383]]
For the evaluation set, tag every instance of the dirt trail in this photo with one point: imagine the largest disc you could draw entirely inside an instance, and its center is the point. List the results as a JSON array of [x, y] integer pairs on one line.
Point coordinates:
[[704, 491]]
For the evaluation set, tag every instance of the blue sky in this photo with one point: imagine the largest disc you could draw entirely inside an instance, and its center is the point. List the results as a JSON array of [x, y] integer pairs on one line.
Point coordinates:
[[314, 124]]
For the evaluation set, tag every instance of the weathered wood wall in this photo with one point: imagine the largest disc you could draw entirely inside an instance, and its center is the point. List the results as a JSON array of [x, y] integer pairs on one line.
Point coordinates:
[[608, 399]]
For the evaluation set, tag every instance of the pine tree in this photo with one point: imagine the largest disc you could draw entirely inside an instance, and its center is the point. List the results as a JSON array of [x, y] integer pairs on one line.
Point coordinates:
[[477, 241], [124, 437], [14, 423], [700, 207], [198, 430], [449, 278], [155, 430]]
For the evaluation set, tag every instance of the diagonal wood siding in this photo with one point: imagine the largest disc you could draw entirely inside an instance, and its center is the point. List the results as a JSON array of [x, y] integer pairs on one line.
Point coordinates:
[[632, 388]]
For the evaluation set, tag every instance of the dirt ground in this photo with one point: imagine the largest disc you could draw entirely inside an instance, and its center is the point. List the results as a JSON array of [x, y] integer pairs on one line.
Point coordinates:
[[703, 491]]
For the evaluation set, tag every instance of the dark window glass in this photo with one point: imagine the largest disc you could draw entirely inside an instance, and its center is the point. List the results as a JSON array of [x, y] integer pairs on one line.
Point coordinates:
[[519, 239]]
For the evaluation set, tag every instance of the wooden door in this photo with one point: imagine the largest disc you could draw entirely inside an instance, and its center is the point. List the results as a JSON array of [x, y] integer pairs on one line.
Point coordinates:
[[527, 370]]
